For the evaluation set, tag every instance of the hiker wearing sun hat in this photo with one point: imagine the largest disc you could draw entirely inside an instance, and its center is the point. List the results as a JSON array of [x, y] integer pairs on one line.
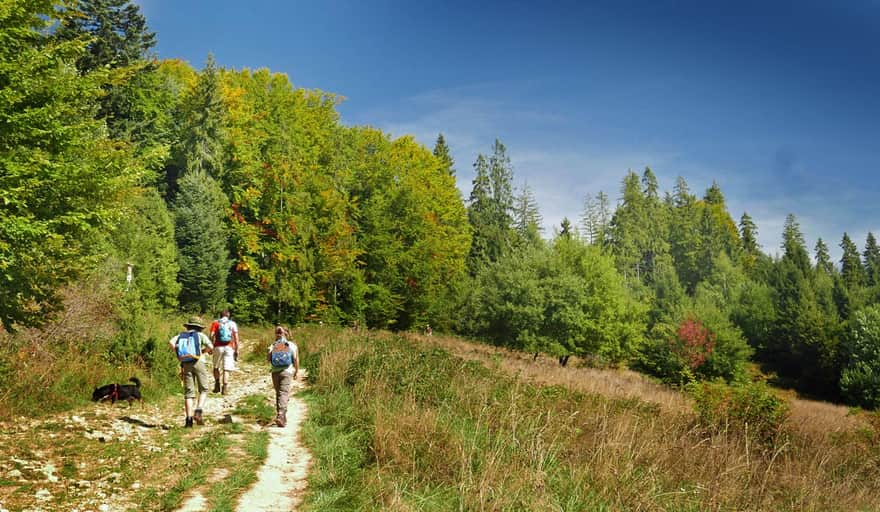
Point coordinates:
[[189, 347]]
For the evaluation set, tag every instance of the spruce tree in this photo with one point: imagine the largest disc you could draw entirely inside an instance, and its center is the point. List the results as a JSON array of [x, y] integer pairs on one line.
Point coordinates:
[[200, 232], [748, 232], [490, 208], [480, 217], [851, 269], [119, 42], [202, 144], [117, 31], [441, 151], [793, 245], [526, 216], [596, 218], [872, 260], [823, 258]]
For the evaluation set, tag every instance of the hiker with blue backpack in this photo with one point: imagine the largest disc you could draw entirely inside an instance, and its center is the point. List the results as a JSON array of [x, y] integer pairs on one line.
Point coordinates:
[[189, 346], [224, 336], [284, 357]]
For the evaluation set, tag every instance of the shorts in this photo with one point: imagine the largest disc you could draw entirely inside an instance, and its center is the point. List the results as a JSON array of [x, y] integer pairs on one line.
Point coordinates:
[[195, 375], [224, 357]]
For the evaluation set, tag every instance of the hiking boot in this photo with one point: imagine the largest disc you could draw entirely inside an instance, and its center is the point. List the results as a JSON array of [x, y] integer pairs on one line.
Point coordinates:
[[281, 419], [189, 422], [198, 417], [225, 387], [216, 386]]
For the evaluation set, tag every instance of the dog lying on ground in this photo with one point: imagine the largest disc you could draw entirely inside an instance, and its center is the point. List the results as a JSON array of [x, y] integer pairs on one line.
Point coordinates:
[[114, 392]]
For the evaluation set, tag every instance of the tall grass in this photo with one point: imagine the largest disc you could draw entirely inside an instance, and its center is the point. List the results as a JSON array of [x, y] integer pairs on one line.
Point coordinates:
[[56, 367], [397, 423]]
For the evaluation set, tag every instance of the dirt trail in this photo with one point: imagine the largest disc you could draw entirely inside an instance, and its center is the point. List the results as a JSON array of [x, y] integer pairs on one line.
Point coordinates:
[[282, 478], [91, 459]]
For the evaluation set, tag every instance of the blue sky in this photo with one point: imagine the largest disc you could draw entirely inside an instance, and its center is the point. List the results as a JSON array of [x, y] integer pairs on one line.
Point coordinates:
[[779, 102]]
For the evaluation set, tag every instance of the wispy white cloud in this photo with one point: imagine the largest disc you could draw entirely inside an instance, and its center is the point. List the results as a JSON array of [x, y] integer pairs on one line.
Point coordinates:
[[561, 172], [472, 117]]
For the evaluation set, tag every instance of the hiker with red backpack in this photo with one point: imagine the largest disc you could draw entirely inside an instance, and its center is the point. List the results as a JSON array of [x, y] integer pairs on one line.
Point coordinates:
[[189, 347], [224, 335], [284, 357]]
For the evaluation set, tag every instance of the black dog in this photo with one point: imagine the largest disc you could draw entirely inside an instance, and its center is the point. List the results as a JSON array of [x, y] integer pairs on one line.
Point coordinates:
[[114, 392]]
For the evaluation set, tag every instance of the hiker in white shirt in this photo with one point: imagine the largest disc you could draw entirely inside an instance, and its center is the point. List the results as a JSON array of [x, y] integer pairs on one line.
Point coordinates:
[[224, 335]]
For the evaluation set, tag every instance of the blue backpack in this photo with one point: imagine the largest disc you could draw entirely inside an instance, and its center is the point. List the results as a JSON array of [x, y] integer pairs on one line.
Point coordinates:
[[189, 349], [282, 354], [224, 332]]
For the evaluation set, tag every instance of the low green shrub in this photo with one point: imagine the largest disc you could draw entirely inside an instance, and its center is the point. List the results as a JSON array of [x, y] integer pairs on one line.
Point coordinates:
[[749, 409]]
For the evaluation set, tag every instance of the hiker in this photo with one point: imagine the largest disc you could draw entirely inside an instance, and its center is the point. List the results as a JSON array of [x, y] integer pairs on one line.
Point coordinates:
[[428, 331], [283, 355], [189, 347], [224, 336]]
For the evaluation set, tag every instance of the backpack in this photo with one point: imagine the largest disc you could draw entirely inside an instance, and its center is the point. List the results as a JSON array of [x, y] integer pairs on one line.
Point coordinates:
[[281, 355], [189, 349], [224, 332]]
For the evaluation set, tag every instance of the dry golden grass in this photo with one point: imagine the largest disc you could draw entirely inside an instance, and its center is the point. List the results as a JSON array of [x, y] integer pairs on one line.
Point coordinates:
[[624, 443]]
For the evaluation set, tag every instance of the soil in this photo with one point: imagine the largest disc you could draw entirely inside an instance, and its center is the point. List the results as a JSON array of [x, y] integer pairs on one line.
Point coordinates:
[[86, 460]]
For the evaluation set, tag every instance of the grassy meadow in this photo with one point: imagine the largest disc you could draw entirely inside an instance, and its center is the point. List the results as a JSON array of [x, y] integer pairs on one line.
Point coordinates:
[[406, 422]]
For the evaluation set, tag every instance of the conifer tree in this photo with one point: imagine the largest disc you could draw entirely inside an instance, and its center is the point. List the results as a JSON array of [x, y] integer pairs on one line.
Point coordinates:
[[793, 245], [872, 260], [119, 42], [441, 151], [823, 258], [202, 145], [685, 234], [565, 230], [480, 217], [490, 208], [851, 269], [596, 218], [748, 232], [201, 238], [628, 228], [526, 216], [117, 31], [501, 180]]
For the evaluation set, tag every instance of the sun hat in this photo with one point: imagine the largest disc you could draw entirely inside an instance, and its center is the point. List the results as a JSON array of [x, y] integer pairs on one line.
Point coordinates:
[[195, 322]]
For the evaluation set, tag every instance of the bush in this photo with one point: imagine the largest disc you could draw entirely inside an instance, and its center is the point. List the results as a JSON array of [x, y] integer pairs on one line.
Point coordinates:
[[860, 379], [751, 409], [701, 344]]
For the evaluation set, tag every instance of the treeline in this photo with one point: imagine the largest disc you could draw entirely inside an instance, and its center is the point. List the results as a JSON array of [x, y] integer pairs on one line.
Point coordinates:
[[233, 188], [670, 284]]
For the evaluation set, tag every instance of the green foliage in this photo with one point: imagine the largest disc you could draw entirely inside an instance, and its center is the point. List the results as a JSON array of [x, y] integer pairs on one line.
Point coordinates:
[[527, 218], [697, 341], [562, 299], [116, 32], [490, 208], [411, 227], [442, 153], [596, 219], [749, 409], [60, 176], [144, 238], [202, 242], [860, 379]]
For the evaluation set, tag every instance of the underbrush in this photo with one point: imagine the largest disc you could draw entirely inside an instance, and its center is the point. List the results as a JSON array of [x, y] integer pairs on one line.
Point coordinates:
[[396, 423], [101, 337]]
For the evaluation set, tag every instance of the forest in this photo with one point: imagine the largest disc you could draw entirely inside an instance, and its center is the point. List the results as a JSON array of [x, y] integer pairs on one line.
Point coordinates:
[[235, 188]]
